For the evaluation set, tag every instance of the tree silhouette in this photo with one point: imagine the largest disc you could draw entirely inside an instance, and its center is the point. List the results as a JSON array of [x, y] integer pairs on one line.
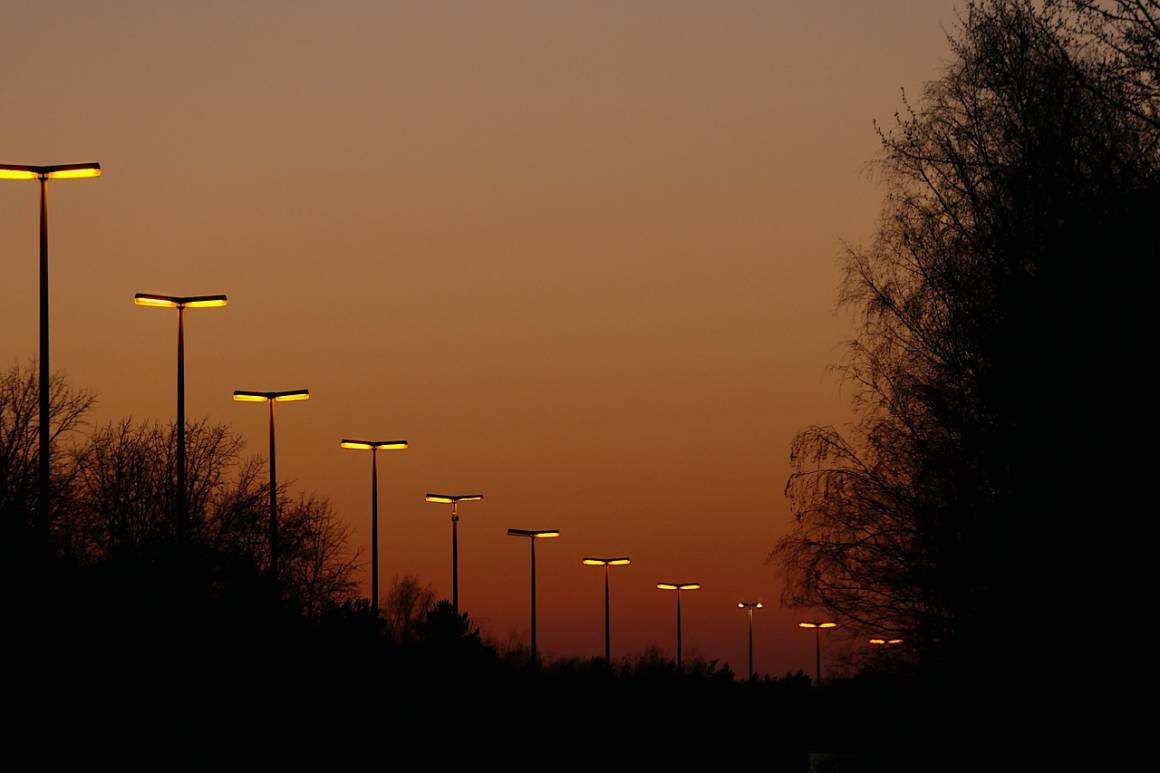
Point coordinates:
[[1003, 314], [19, 440]]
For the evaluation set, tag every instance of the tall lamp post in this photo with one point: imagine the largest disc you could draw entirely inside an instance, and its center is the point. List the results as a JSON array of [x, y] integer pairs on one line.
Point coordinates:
[[607, 562], [454, 500], [251, 396], [374, 446], [181, 303], [533, 535], [44, 174], [749, 606], [818, 627], [678, 587]]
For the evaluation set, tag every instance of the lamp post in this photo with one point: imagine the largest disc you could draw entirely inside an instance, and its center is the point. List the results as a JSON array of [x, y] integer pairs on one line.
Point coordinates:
[[678, 587], [607, 562], [818, 627], [374, 446], [454, 500], [44, 174], [181, 303], [749, 606], [250, 396], [885, 643], [533, 535]]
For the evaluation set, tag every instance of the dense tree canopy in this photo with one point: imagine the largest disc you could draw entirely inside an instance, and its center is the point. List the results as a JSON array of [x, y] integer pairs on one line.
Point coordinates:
[[1003, 314]]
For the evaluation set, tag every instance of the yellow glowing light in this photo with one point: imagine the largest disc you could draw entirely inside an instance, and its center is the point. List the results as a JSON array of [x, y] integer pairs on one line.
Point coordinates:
[[895, 641], [393, 445], [807, 625], [546, 534], [828, 625], [358, 444], [690, 586], [17, 174], [619, 562], [877, 641], [440, 498], [288, 397], [208, 303], [75, 174], [141, 299], [593, 562], [243, 397], [666, 586]]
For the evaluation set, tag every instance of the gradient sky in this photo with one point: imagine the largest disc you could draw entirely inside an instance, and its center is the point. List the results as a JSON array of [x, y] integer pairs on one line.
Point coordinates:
[[584, 256]]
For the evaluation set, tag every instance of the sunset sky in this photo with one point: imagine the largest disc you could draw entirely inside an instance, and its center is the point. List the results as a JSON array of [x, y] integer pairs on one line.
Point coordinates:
[[584, 256]]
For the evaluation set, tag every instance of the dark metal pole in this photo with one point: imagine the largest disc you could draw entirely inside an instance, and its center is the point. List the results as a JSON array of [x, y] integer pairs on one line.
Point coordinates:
[[750, 615], [45, 436], [455, 557], [534, 651], [182, 511], [273, 500], [818, 655], [679, 667], [607, 635], [375, 532]]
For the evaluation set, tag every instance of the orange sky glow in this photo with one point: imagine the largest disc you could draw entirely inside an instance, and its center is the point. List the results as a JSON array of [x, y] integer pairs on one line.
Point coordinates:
[[583, 256]]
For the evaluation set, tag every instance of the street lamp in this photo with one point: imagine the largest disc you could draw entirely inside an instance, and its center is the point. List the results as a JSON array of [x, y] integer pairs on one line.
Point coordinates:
[[44, 174], [454, 500], [885, 643], [607, 562], [678, 587], [533, 535], [749, 606], [181, 303], [374, 446], [250, 396], [818, 627]]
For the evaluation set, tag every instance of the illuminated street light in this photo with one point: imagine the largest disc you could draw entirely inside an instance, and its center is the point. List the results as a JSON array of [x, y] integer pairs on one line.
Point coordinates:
[[749, 606], [44, 174], [885, 643], [533, 535], [181, 303], [454, 500], [374, 446], [678, 587], [607, 562], [251, 396], [818, 627]]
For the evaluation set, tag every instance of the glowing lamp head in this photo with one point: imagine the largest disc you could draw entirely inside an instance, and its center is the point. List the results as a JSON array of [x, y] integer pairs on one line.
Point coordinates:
[[534, 533], [374, 445], [750, 605], [180, 301], [679, 585], [51, 172], [595, 561], [450, 499]]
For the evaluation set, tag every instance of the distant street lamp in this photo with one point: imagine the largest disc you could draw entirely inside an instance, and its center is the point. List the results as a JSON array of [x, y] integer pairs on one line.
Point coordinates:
[[454, 500], [250, 396], [181, 303], [749, 606], [607, 562], [533, 535], [885, 643], [44, 174], [374, 446], [678, 587], [818, 627]]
